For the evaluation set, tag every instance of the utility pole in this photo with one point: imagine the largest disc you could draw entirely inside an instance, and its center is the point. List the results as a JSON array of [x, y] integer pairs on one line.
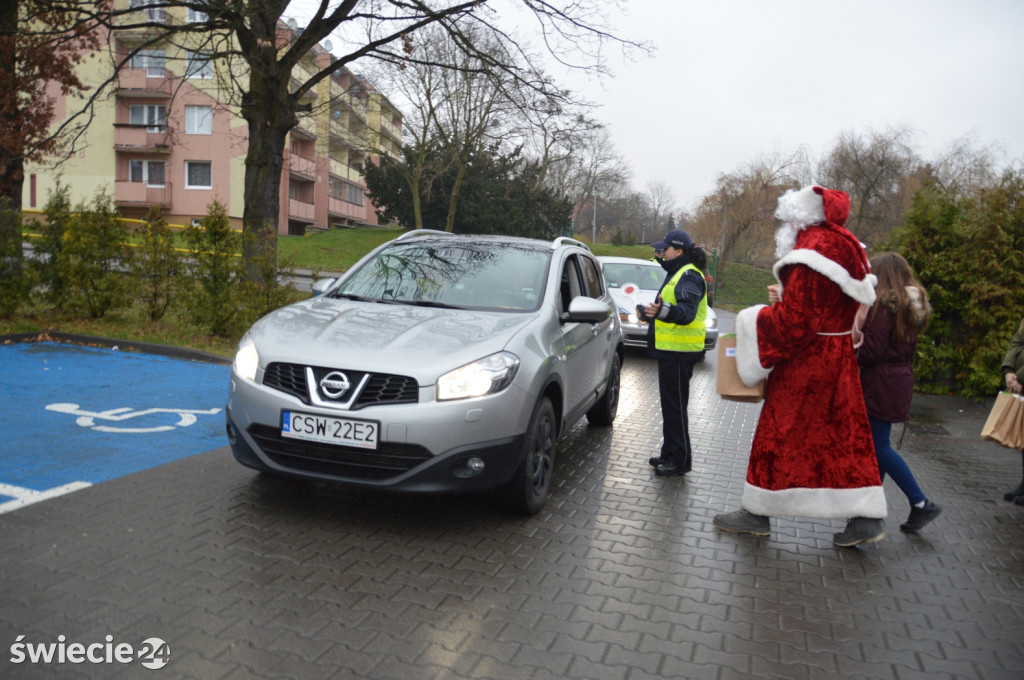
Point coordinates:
[[593, 219]]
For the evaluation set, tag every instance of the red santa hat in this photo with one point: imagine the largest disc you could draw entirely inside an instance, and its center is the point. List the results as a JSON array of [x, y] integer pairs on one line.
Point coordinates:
[[833, 251]]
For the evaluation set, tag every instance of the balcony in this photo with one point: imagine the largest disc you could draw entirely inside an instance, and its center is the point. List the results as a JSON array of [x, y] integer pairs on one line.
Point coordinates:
[[141, 194], [337, 207], [139, 83], [344, 171], [300, 167], [391, 130], [139, 138], [142, 25], [346, 136], [302, 211]]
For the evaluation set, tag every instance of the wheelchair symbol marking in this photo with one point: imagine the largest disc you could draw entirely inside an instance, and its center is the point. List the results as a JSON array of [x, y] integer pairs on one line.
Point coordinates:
[[88, 419]]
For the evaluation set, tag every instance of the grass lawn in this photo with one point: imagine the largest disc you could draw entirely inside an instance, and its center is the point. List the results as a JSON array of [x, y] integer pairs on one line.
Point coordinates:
[[326, 252]]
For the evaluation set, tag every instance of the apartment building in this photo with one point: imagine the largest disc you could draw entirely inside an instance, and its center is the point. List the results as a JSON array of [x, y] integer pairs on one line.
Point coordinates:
[[169, 135]]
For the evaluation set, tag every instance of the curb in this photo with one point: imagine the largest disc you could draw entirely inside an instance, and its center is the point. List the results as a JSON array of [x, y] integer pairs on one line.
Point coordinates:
[[111, 343]]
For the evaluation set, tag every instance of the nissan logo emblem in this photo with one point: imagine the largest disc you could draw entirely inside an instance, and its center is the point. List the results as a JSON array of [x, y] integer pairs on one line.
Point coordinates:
[[334, 384]]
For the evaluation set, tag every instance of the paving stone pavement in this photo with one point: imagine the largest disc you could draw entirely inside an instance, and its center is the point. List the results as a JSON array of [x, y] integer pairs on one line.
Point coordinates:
[[621, 577]]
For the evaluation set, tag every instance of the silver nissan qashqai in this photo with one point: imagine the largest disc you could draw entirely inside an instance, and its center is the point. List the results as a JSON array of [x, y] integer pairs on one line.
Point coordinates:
[[438, 362]]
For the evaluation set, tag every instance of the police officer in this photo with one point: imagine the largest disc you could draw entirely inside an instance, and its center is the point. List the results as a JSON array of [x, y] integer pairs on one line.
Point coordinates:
[[675, 337]]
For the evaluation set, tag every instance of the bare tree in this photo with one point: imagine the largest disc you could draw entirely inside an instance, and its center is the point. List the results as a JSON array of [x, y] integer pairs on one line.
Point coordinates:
[[738, 218], [601, 172], [965, 166], [275, 92], [872, 168], [662, 203]]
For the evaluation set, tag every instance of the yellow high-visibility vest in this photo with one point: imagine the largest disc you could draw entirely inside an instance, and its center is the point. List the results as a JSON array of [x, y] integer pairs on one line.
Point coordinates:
[[671, 336]]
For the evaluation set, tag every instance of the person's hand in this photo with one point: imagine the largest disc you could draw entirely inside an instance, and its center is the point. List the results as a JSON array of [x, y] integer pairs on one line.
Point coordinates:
[[651, 310], [1013, 384], [773, 293]]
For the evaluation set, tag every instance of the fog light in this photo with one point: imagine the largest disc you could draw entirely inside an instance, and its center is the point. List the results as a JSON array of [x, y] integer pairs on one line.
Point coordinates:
[[232, 435], [470, 467]]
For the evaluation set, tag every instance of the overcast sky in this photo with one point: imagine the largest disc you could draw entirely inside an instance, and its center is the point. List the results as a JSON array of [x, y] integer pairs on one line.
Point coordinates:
[[734, 79]]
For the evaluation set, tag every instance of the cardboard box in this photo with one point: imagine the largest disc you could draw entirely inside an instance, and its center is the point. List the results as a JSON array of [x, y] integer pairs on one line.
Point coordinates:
[[729, 385]]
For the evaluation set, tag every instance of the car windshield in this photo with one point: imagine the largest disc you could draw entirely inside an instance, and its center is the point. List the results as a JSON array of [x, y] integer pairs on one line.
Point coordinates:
[[647, 276], [458, 275]]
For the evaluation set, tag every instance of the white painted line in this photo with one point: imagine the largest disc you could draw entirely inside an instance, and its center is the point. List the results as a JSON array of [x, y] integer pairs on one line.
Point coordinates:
[[23, 496]]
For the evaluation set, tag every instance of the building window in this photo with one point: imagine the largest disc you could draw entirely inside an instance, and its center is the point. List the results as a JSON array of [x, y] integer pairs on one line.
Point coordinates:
[[152, 61], [355, 194], [153, 173], [199, 120], [152, 13], [198, 66], [199, 174], [153, 116], [335, 188], [194, 16]]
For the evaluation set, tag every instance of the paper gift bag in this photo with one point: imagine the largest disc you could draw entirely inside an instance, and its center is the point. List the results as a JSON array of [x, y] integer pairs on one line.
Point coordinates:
[[1005, 423], [729, 385]]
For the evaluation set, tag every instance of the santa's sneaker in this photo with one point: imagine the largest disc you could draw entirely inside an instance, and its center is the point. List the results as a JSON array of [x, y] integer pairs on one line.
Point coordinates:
[[860, 530], [921, 516], [743, 522]]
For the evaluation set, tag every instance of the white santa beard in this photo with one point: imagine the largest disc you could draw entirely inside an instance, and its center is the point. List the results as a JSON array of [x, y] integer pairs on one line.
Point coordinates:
[[785, 239]]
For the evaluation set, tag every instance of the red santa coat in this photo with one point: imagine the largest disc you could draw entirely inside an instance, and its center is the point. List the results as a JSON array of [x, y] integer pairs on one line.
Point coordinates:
[[812, 454]]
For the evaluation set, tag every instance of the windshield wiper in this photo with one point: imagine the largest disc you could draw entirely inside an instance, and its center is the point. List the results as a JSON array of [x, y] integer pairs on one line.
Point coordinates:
[[430, 303], [349, 296]]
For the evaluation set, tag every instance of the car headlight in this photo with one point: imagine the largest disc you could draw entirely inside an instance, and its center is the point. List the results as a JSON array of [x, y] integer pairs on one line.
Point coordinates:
[[710, 323], [485, 376], [247, 359], [626, 316]]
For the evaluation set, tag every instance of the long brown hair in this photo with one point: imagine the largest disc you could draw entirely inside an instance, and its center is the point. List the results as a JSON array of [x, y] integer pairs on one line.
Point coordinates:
[[895, 276]]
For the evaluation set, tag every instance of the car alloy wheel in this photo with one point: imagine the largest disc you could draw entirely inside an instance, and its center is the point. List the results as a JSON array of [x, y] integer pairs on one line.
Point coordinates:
[[530, 485]]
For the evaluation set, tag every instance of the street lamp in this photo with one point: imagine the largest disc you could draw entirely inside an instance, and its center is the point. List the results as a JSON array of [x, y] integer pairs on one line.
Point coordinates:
[[593, 219]]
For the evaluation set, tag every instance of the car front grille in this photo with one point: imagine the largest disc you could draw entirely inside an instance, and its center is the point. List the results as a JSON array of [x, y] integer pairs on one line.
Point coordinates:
[[384, 462], [381, 388]]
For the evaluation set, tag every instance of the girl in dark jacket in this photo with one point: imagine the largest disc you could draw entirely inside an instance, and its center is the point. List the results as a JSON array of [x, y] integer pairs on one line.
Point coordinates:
[[900, 312]]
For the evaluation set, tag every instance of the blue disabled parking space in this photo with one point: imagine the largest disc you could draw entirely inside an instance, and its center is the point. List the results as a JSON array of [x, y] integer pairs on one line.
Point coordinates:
[[74, 416]]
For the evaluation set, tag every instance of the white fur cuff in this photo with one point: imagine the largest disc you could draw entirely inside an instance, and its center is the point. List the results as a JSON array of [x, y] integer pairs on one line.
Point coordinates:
[[748, 356]]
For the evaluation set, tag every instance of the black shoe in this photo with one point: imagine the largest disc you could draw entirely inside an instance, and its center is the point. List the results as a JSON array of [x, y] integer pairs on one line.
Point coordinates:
[[1019, 500], [860, 530], [1011, 495], [670, 470], [743, 522], [921, 516], [656, 461]]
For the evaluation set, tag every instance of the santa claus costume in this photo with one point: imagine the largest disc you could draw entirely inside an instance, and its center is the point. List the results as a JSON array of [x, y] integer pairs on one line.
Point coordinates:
[[812, 453]]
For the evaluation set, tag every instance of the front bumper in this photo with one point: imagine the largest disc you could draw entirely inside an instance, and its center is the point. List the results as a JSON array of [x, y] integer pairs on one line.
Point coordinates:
[[469, 445], [710, 338], [635, 335]]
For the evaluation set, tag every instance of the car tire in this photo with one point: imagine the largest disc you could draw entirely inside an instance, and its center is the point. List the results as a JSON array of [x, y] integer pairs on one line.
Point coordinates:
[[530, 485], [604, 411]]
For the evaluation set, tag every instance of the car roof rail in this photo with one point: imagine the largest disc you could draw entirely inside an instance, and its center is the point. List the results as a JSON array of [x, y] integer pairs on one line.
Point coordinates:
[[423, 232], [567, 241]]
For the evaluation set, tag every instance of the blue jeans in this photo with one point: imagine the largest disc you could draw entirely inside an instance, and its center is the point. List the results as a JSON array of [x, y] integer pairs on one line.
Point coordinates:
[[891, 463]]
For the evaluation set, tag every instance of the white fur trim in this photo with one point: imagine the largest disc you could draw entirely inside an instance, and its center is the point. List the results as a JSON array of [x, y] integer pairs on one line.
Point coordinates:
[[867, 501], [748, 356], [861, 290], [801, 207], [785, 239]]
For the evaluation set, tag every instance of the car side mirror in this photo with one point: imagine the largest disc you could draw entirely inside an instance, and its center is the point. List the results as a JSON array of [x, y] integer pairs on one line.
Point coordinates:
[[321, 286], [583, 309]]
